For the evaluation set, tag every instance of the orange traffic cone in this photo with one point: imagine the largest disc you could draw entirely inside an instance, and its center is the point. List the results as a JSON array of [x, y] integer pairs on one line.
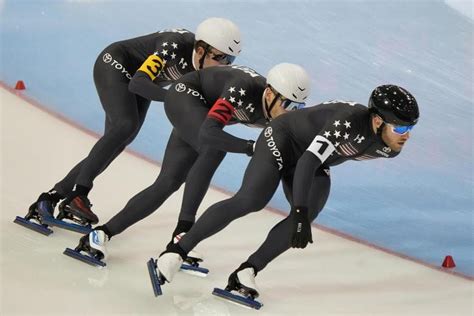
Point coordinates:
[[20, 85], [448, 262]]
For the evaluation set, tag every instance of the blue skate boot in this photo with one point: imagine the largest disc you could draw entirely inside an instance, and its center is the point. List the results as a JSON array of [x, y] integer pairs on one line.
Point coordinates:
[[39, 213]]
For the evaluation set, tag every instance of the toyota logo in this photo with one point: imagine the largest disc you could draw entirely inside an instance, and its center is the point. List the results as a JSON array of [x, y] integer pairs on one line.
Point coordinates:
[[386, 149], [107, 58], [180, 87], [268, 131]]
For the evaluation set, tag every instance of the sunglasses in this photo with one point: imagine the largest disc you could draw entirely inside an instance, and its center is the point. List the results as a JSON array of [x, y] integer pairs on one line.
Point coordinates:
[[401, 129], [222, 58], [289, 105]]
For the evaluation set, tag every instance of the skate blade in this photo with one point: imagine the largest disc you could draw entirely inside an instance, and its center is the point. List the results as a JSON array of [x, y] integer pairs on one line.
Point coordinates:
[[238, 299], [33, 226], [51, 221], [86, 259], [194, 270], [154, 278]]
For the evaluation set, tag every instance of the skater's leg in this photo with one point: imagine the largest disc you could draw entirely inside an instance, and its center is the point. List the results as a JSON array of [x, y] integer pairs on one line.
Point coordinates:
[[259, 184], [278, 239], [260, 181], [277, 242], [178, 159], [142, 109], [124, 117], [123, 125], [188, 112], [197, 184], [123, 110]]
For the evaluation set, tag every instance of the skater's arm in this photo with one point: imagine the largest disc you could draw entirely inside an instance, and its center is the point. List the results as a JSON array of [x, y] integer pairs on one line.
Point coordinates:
[[300, 232], [142, 81], [314, 156], [212, 133], [144, 87]]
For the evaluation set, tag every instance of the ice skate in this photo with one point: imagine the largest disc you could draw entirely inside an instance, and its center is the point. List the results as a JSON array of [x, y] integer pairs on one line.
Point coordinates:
[[75, 215], [191, 263], [91, 249], [38, 214], [163, 270], [241, 288]]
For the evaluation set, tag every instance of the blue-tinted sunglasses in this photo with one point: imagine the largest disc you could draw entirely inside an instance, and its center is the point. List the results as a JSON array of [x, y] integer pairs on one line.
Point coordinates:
[[289, 105], [401, 129]]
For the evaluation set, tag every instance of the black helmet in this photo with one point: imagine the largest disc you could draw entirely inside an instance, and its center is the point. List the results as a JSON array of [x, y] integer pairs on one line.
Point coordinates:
[[394, 105]]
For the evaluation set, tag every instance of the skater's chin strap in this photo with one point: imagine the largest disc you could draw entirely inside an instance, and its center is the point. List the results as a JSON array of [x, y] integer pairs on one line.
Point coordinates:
[[379, 133]]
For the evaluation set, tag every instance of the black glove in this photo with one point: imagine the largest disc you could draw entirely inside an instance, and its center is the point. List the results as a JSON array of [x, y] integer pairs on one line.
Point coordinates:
[[300, 227], [250, 148]]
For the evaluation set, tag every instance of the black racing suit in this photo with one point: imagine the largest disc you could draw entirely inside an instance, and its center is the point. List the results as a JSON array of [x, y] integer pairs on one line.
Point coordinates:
[[297, 148], [198, 105], [127, 75]]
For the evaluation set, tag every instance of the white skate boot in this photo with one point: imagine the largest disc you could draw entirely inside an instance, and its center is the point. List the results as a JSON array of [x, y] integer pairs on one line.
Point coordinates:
[[163, 270], [241, 281], [168, 265], [192, 261], [93, 245]]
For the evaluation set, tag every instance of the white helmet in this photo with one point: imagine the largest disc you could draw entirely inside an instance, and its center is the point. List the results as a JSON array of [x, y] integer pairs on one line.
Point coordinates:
[[291, 81], [222, 34]]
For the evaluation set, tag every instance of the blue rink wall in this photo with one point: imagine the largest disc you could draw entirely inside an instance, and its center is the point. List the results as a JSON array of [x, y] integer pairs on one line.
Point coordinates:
[[419, 204]]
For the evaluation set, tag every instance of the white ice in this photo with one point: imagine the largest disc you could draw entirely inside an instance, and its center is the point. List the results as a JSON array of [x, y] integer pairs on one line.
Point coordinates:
[[334, 276]]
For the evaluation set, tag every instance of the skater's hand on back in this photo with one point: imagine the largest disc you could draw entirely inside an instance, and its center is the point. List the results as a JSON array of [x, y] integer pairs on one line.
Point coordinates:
[[300, 227]]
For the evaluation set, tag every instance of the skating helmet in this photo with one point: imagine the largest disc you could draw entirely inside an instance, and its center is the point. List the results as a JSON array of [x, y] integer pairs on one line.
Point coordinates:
[[394, 105], [292, 82], [221, 34]]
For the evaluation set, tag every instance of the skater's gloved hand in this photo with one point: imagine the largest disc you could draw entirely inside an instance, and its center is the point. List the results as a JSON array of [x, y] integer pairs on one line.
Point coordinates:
[[300, 227], [250, 148]]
